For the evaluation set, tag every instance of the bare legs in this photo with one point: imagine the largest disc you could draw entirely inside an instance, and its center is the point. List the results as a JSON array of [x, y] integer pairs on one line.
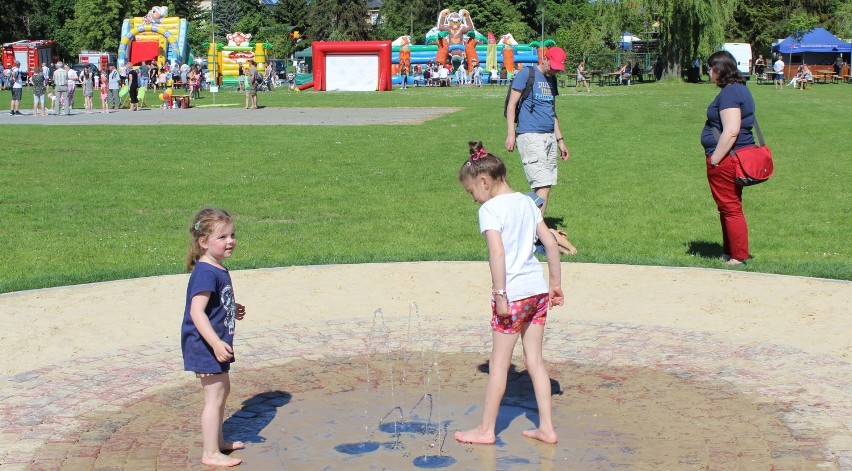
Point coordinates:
[[544, 192], [498, 367], [216, 389], [532, 336]]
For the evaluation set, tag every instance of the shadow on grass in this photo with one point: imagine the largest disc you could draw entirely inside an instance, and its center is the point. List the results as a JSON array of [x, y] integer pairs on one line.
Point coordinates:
[[554, 223], [705, 249]]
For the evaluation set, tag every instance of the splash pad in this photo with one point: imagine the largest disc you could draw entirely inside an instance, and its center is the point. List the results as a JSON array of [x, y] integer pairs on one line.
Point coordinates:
[[631, 389], [396, 407]]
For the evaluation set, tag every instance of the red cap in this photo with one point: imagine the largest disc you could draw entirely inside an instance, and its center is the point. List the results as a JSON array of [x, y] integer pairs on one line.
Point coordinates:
[[556, 56]]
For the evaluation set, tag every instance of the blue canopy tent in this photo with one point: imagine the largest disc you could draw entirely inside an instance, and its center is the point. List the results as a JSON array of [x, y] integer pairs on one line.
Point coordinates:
[[818, 40], [817, 47]]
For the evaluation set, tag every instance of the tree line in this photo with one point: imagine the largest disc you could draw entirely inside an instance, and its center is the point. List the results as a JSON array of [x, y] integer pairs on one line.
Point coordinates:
[[685, 28]]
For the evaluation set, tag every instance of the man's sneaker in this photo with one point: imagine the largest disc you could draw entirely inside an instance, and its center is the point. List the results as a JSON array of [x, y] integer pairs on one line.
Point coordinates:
[[12, 112], [17, 112]]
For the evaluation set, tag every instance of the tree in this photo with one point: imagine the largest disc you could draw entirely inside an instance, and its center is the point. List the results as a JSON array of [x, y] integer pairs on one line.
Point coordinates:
[[759, 23], [500, 17], [287, 14], [338, 20], [405, 17], [841, 21], [96, 25], [689, 28]]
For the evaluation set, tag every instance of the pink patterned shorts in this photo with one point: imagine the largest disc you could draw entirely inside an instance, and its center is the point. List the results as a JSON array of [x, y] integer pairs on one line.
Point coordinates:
[[523, 311]]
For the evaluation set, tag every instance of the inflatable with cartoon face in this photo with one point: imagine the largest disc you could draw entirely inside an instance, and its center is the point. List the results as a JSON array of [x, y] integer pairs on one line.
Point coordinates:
[[457, 24]]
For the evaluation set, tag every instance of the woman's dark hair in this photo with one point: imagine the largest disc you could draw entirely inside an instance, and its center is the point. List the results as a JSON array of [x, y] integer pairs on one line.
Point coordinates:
[[482, 162], [725, 67]]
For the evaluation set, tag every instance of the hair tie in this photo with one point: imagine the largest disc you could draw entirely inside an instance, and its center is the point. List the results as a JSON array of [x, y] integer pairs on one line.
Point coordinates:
[[480, 154], [197, 225]]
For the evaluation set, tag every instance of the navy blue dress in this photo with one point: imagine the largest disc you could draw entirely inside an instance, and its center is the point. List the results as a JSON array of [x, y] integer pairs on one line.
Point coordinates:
[[221, 310]]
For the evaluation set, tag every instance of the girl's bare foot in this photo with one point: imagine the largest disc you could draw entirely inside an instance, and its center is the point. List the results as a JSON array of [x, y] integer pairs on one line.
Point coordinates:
[[475, 435], [540, 435], [231, 446], [220, 460], [733, 261]]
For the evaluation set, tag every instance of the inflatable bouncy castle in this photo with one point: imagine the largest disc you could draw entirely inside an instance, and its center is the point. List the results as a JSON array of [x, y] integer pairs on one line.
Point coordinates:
[[455, 40], [229, 58], [155, 37]]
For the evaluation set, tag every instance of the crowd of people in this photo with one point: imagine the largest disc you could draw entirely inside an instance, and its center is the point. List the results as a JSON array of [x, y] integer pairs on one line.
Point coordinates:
[[54, 85], [433, 74]]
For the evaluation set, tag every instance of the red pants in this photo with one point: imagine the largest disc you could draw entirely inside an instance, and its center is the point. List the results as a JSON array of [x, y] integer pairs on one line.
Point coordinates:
[[729, 199]]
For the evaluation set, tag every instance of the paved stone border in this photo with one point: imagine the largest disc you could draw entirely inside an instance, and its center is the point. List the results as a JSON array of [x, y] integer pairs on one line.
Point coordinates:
[[266, 116], [53, 417]]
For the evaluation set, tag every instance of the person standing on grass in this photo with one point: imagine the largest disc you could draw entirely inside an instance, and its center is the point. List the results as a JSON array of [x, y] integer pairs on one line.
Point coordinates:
[[60, 88], [510, 223], [39, 90], [88, 88], [731, 114], [144, 70], [207, 332], [133, 88], [114, 85], [581, 77], [537, 134], [17, 89], [252, 83], [104, 94], [778, 68], [72, 86]]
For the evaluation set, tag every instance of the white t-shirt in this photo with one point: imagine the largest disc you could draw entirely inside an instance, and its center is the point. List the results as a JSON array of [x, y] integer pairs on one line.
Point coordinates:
[[515, 216], [778, 66], [16, 78]]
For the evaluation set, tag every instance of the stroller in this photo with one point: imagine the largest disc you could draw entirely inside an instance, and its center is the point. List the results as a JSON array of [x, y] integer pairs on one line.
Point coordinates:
[[266, 85]]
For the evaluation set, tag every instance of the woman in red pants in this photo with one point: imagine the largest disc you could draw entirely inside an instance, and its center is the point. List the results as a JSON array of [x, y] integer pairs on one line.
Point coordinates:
[[731, 115]]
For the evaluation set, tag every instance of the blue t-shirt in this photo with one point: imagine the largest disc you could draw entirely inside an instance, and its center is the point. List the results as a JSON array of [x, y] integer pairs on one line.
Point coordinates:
[[735, 95], [221, 310], [537, 110]]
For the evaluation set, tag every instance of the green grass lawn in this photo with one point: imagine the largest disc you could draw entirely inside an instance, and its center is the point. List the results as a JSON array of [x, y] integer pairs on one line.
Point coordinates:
[[92, 203]]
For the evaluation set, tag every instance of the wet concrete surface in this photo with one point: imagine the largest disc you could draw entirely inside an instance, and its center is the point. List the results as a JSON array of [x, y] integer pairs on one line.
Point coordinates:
[[625, 396]]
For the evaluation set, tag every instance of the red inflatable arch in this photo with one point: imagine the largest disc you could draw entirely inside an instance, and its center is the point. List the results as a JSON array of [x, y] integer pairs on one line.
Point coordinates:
[[382, 49]]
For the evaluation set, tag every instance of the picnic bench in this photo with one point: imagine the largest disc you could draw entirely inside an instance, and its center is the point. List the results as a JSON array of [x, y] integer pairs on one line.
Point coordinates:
[[610, 78]]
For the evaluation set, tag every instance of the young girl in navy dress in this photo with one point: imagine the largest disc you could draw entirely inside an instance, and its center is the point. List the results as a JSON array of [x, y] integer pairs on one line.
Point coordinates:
[[511, 223], [207, 334]]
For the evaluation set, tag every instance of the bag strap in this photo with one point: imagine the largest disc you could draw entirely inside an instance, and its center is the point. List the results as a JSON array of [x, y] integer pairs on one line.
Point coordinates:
[[759, 134]]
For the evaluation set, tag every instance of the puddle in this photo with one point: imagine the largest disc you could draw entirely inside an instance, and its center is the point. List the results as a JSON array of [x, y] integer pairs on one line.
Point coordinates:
[[606, 418]]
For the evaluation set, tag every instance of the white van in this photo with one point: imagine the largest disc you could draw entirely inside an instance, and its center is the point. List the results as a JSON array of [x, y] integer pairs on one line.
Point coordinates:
[[742, 54]]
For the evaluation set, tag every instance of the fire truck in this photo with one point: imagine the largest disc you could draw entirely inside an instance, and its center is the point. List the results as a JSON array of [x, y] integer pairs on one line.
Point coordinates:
[[100, 59], [30, 53]]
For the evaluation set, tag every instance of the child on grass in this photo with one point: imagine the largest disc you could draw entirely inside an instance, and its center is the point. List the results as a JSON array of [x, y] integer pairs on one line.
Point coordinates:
[[207, 333], [104, 93], [510, 223]]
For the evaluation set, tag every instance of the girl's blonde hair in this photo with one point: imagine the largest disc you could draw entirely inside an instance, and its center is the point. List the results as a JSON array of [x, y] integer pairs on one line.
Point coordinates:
[[202, 225], [482, 162]]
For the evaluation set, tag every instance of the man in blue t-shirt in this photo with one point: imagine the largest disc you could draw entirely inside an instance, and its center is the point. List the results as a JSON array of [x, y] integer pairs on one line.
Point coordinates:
[[537, 134]]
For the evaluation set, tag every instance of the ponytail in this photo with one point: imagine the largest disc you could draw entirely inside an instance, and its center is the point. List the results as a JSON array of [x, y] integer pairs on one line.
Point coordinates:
[[482, 162]]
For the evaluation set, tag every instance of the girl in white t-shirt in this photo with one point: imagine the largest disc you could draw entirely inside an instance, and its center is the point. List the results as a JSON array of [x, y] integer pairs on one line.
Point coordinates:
[[511, 223]]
